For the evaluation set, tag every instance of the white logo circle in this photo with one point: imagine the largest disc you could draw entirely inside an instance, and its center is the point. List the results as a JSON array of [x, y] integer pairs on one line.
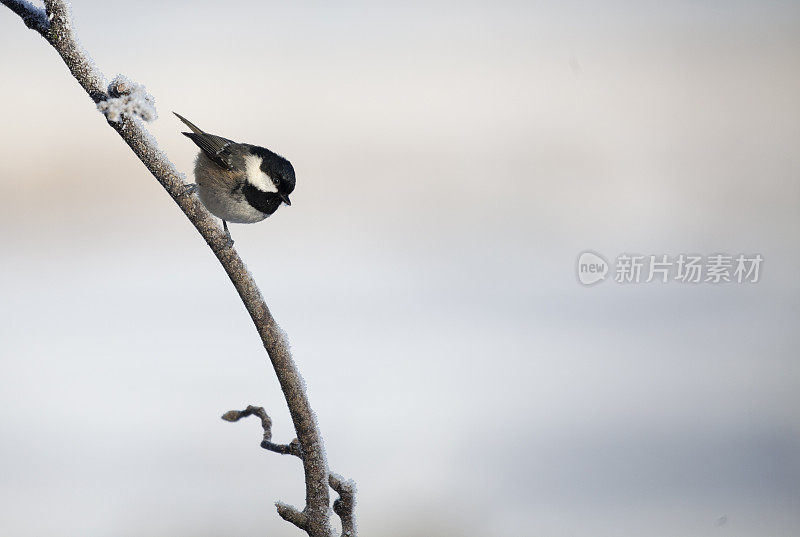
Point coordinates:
[[592, 268]]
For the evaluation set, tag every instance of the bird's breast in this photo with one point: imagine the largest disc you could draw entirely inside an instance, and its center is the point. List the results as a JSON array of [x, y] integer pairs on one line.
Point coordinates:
[[221, 192]]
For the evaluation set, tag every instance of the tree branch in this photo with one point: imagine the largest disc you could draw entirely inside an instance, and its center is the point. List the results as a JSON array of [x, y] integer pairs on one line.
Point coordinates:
[[34, 17], [293, 515], [344, 506], [55, 25], [292, 448]]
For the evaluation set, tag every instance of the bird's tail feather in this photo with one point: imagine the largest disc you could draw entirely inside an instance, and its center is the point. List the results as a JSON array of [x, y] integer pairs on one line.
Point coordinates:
[[195, 128]]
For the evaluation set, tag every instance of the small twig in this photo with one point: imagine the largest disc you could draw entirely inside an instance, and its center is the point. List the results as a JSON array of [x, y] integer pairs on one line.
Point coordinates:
[[344, 505], [293, 515], [292, 448], [266, 422]]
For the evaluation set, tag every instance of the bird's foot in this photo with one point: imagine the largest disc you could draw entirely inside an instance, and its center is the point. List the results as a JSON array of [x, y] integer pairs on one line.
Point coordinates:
[[189, 189], [228, 244]]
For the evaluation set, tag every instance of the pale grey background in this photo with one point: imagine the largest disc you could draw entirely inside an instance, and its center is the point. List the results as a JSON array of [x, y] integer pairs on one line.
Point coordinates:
[[453, 159]]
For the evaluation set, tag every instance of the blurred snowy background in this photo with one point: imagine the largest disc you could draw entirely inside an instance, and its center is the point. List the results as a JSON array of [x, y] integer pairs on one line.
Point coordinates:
[[453, 158]]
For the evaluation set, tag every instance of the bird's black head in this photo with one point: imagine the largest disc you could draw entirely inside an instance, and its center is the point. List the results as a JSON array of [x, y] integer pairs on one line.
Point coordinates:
[[280, 171]]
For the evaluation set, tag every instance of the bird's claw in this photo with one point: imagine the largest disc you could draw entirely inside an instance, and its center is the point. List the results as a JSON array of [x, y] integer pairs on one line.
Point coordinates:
[[189, 189], [229, 243]]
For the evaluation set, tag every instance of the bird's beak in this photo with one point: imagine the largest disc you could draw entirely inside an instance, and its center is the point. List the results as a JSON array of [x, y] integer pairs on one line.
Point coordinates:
[[285, 199]]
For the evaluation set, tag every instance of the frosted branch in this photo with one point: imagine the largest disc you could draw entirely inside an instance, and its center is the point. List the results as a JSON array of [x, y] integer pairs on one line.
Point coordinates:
[[292, 448], [344, 506], [127, 98], [293, 515], [124, 116], [34, 17]]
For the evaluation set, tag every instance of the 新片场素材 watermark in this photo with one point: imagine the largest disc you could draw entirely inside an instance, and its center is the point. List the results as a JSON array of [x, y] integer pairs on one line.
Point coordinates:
[[682, 268]]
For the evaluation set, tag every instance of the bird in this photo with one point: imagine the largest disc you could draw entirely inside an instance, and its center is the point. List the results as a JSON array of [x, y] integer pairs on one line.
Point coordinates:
[[239, 183]]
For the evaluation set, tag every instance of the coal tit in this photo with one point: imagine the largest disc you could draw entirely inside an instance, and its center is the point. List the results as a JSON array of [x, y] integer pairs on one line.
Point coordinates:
[[239, 183]]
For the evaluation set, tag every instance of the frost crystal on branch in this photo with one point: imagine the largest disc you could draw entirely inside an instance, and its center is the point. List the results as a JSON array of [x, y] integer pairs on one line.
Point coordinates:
[[127, 98]]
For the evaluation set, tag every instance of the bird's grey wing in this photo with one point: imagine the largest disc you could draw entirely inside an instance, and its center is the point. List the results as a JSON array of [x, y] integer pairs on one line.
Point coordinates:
[[217, 148]]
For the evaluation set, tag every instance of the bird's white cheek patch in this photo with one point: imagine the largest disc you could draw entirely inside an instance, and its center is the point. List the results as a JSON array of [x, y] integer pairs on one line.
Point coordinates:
[[256, 176]]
